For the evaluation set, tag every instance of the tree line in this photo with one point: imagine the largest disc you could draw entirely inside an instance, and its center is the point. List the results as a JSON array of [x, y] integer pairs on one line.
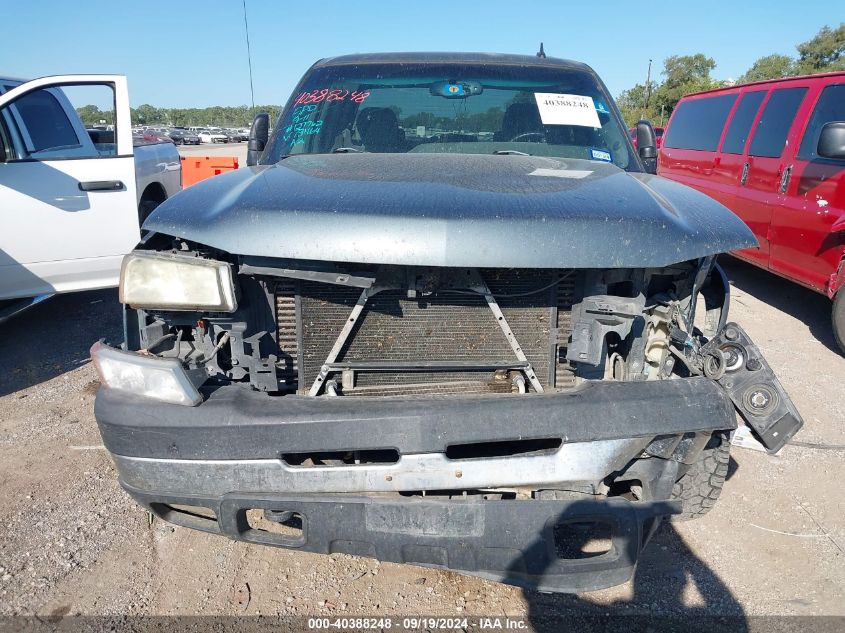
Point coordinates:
[[683, 74]]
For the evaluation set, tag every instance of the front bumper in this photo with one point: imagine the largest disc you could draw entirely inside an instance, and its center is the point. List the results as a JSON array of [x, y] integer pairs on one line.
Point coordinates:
[[535, 544], [229, 455]]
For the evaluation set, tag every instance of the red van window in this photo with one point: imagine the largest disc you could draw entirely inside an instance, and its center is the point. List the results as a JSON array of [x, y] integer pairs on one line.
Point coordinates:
[[773, 126], [698, 123], [830, 107], [740, 126]]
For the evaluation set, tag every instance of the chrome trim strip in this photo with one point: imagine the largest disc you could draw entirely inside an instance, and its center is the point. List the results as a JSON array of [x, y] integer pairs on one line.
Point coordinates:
[[576, 462]]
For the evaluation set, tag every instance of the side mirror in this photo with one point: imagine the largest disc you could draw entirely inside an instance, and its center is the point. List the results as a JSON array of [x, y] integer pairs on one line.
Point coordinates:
[[647, 145], [832, 140], [258, 134]]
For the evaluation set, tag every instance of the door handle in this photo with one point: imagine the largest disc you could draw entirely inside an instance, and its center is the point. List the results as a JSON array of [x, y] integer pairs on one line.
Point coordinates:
[[784, 179], [744, 176], [102, 185]]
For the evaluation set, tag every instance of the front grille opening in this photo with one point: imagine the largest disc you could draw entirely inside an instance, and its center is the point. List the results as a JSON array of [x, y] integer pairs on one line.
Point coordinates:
[[446, 325], [576, 540], [511, 448], [287, 524], [468, 496], [341, 458], [195, 517]]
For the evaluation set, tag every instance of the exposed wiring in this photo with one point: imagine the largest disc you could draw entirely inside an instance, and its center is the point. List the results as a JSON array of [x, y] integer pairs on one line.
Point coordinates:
[[176, 344], [512, 295], [223, 340]]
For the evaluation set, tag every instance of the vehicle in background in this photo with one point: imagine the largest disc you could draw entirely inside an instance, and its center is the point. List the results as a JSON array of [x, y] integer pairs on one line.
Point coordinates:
[[478, 350], [658, 134], [207, 136], [774, 153], [72, 198], [232, 136], [155, 135], [183, 137]]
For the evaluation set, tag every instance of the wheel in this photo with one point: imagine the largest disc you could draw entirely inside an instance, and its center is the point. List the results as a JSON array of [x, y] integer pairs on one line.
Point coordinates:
[[145, 208], [838, 318], [700, 487]]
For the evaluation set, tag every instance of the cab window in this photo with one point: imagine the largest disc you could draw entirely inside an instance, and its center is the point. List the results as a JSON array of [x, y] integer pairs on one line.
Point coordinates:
[[698, 123], [45, 121], [60, 123], [740, 126], [773, 126]]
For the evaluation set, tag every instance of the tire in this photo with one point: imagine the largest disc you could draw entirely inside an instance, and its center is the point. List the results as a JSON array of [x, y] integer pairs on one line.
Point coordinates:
[[700, 487], [145, 208], [838, 318]]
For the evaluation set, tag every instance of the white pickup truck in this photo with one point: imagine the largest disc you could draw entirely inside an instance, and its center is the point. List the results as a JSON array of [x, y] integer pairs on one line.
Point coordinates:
[[71, 198]]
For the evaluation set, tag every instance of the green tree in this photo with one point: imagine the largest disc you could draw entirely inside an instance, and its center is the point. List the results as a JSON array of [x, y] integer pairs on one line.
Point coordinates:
[[146, 114], [632, 103], [92, 115], [769, 67], [684, 74], [825, 52]]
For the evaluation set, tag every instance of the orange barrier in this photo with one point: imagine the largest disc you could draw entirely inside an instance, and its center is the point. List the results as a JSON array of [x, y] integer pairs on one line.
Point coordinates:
[[196, 168]]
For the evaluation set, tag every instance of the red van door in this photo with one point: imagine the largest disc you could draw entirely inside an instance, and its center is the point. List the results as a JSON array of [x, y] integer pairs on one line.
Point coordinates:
[[758, 193], [805, 247], [730, 163]]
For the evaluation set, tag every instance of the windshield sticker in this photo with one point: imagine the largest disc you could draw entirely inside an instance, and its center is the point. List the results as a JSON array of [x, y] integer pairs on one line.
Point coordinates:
[[301, 125], [575, 174], [329, 95], [558, 109], [601, 108], [600, 154]]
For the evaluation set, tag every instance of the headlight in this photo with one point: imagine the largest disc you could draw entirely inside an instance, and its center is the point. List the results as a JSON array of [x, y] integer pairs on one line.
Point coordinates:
[[176, 282], [160, 378]]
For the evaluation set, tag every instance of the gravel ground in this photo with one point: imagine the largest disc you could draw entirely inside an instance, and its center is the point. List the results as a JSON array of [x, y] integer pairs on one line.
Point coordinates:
[[73, 543]]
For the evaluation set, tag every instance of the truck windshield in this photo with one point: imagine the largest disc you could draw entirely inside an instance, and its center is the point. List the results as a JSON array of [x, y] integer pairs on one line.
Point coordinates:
[[453, 109]]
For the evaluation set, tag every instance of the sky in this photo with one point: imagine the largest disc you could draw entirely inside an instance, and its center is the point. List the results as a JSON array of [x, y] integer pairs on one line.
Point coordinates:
[[192, 53]]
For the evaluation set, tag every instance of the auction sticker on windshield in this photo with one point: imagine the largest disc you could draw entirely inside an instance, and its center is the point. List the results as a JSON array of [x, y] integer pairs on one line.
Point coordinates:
[[558, 109]]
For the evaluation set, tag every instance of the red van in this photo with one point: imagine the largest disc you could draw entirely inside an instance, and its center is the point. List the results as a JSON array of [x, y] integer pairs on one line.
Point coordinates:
[[774, 153]]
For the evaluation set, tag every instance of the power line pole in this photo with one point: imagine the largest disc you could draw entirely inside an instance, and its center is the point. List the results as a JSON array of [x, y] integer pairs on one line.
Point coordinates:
[[249, 60], [647, 87]]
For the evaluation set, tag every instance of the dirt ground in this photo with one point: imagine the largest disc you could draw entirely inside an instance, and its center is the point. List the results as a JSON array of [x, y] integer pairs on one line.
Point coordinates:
[[73, 542]]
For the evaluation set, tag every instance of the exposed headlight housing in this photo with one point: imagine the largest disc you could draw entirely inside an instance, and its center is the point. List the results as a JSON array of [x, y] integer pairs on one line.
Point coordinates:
[[177, 282], [163, 379]]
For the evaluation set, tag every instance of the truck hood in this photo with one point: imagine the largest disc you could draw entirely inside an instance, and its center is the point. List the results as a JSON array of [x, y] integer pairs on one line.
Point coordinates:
[[452, 210]]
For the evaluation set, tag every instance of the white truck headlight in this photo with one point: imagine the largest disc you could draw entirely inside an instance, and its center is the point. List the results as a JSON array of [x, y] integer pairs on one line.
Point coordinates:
[[176, 282], [162, 379]]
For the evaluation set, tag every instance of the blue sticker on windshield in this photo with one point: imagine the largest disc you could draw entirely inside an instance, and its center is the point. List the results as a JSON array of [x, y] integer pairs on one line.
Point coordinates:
[[601, 107], [600, 154]]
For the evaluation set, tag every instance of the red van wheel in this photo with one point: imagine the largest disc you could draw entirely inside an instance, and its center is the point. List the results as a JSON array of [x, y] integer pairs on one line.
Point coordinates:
[[839, 319]]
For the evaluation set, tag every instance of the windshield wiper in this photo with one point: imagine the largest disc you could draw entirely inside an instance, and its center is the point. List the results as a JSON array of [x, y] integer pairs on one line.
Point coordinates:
[[510, 152], [347, 150]]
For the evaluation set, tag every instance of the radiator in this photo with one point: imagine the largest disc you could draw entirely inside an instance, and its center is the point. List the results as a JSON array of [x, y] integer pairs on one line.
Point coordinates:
[[442, 326]]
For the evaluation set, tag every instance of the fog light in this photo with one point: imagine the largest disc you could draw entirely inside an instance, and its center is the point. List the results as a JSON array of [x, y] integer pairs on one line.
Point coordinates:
[[163, 379]]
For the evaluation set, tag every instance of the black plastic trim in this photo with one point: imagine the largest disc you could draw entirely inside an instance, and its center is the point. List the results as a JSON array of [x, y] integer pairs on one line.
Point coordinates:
[[237, 423]]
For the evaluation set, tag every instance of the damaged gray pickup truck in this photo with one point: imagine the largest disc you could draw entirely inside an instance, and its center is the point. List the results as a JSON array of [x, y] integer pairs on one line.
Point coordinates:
[[446, 317]]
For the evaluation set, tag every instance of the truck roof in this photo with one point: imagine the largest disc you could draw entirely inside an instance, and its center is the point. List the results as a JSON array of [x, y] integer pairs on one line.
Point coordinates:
[[452, 58]]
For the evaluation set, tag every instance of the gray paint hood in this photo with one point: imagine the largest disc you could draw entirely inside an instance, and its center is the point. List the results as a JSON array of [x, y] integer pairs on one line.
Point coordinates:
[[452, 210]]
